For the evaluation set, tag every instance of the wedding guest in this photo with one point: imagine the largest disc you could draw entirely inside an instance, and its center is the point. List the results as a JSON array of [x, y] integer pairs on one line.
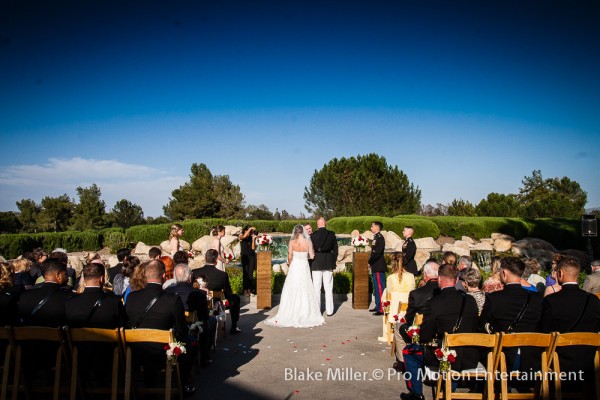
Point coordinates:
[[308, 229], [174, 236], [219, 280], [449, 257], [464, 262], [121, 281], [472, 280], [181, 257], [550, 280], [117, 269], [39, 256], [166, 313], [137, 281], [81, 285], [247, 245], [378, 266], [591, 284], [535, 279], [169, 267], [9, 296], [219, 232], [61, 255], [525, 277], [409, 250], [572, 310], [399, 284], [555, 286], [493, 282], [154, 253], [22, 277]]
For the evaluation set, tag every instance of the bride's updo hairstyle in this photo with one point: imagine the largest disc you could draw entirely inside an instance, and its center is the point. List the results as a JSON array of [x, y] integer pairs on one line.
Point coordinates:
[[215, 231], [297, 232]]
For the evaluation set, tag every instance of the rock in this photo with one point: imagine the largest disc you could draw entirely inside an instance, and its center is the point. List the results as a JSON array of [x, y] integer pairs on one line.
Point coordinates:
[[277, 268], [197, 262], [467, 240], [141, 248], [369, 235], [427, 243], [459, 251], [496, 236], [421, 256], [534, 243], [355, 233], [233, 230], [202, 244], [166, 246], [391, 239], [442, 240], [487, 240], [462, 245], [76, 262], [284, 268], [228, 240], [483, 246], [112, 260], [502, 245], [345, 253]]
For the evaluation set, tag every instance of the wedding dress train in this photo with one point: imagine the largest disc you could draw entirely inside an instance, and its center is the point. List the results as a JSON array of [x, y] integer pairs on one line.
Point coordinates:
[[298, 307]]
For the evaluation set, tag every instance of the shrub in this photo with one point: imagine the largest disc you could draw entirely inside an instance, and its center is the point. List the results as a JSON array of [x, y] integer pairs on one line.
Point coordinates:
[[277, 281], [12, 246], [423, 227], [116, 241], [287, 226], [235, 279], [342, 282]]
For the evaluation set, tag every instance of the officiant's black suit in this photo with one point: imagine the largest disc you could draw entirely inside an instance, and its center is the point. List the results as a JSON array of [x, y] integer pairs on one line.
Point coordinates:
[[326, 249]]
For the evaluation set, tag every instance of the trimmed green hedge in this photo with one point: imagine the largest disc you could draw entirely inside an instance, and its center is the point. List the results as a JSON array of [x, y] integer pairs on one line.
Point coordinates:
[[423, 226], [12, 246]]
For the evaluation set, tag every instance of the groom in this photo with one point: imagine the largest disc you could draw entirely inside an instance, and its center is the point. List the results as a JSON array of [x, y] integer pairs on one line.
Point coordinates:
[[326, 252]]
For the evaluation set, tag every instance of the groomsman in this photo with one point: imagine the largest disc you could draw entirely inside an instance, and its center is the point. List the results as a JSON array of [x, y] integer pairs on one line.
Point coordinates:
[[326, 251], [378, 266], [409, 249]]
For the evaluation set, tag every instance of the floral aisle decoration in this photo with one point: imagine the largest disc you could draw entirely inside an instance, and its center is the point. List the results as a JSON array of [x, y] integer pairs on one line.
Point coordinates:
[[174, 350], [359, 243], [414, 332], [228, 257], [264, 242], [386, 307], [446, 357]]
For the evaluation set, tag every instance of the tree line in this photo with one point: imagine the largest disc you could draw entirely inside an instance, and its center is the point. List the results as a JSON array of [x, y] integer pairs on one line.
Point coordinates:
[[353, 186]]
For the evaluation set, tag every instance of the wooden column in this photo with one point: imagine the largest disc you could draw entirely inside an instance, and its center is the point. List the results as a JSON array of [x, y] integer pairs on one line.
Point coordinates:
[[360, 281], [263, 279]]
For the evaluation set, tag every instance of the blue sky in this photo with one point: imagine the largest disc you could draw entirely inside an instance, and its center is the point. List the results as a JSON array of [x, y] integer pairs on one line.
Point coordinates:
[[466, 98]]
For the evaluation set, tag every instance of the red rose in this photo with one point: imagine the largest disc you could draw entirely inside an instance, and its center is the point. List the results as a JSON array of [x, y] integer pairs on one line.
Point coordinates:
[[451, 358], [410, 333], [177, 351], [439, 353], [402, 320], [166, 347], [395, 317]]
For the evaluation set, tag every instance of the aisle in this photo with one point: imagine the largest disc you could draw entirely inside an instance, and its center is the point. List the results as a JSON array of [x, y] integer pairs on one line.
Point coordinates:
[[341, 359]]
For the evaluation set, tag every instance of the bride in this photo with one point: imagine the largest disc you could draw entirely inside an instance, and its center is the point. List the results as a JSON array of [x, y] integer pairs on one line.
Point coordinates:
[[298, 307]]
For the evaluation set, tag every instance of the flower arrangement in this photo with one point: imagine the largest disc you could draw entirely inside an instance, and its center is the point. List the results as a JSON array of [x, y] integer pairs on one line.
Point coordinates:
[[413, 333], [359, 243], [386, 307], [446, 357], [174, 350], [264, 242], [196, 328], [228, 257]]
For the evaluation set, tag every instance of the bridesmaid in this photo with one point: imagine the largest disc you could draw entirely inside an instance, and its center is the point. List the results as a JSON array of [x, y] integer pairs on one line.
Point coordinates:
[[218, 232], [176, 233]]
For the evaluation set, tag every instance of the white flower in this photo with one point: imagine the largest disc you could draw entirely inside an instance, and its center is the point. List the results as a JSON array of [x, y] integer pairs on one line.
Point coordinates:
[[359, 241], [264, 240]]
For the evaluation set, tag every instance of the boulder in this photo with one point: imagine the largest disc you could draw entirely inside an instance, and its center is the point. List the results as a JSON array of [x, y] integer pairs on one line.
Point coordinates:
[[462, 245], [233, 230], [112, 260], [459, 251], [534, 243], [496, 236], [354, 233], [345, 253], [487, 240], [202, 244], [228, 240], [391, 239], [368, 234], [502, 245], [166, 246], [196, 262], [427, 243], [467, 240], [141, 248], [76, 262], [483, 246], [421, 256]]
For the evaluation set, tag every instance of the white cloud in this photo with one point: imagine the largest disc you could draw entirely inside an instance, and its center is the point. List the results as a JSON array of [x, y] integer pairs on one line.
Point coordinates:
[[143, 185]]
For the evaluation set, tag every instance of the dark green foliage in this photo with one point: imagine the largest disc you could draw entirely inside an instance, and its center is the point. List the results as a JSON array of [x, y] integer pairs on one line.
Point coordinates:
[[461, 207], [551, 197], [90, 212], [28, 215], [116, 241], [499, 205], [235, 279], [358, 186], [423, 226], [260, 212], [9, 222], [287, 226], [56, 214], [342, 282], [479, 227], [277, 281], [126, 214], [12, 246]]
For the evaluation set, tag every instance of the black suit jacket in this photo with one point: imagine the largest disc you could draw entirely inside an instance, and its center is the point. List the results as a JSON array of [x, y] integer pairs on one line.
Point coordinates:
[[217, 279], [409, 249], [500, 311], [418, 303], [114, 271], [166, 313], [560, 311], [193, 299], [109, 314], [377, 260], [326, 250], [441, 317], [52, 313]]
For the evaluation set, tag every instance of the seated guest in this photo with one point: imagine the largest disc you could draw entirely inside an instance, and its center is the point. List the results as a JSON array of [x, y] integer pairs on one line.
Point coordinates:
[[154, 253], [181, 257], [61, 254], [418, 302], [166, 312], [464, 262], [514, 310], [591, 284], [121, 281], [137, 281], [169, 267], [525, 278], [37, 258], [493, 283], [471, 278], [22, 278], [450, 311], [398, 285], [219, 280], [44, 305], [9, 296], [572, 310], [194, 300], [117, 269], [552, 285], [535, 279], [449, 257]]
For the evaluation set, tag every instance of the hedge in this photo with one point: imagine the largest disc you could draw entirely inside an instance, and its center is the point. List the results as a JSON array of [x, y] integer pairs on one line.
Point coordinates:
[[423, 227], [14, 245]]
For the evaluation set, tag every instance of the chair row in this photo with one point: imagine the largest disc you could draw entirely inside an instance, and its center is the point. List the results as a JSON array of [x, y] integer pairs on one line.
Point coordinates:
[[68, 342], [497, 370]]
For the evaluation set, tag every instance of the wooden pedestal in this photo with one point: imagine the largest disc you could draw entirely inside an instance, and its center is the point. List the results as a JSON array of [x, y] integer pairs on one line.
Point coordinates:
[[263, 279], [360, 281]]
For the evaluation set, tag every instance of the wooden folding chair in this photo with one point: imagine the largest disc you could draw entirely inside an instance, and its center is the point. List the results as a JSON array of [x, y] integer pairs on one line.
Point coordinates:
[[512, 340], [590, 339], [35, 334], [80, 336], [219, 295], [482, 340], [5, 334], [163, 337], [402, 307], [191, 317]]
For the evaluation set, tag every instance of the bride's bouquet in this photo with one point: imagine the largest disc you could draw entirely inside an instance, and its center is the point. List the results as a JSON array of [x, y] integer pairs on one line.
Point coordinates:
[[359, 243], [264, 242]]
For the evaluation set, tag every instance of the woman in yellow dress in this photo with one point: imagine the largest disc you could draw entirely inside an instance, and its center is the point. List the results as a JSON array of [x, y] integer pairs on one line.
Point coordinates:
[[399, 283]]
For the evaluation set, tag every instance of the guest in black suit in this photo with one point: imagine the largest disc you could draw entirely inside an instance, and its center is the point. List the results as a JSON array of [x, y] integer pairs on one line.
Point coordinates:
[[117, 269], [194, 300], [166, 312], [378, 266], [9, 296], [95, 308], [44, 305], [572, 310], [450, 311], [219, 280], [409, 249], [502, 308], [326, 252]]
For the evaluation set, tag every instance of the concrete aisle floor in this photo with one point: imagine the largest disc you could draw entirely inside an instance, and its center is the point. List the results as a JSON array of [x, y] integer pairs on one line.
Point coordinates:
[[340, 360]]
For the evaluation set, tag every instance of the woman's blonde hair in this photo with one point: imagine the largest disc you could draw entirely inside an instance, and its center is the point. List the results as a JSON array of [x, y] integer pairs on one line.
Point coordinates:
[[398, 264], [495, 265], [138, 278], [174, 229], [6, 275], [21, 265]]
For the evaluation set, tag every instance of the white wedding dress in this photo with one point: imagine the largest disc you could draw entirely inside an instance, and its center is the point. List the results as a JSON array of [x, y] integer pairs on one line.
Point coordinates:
[[298, 307]]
